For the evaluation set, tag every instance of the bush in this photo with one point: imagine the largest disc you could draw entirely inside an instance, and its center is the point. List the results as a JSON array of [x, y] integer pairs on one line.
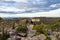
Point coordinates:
[[48, 38], [4, 35], [21, 29]]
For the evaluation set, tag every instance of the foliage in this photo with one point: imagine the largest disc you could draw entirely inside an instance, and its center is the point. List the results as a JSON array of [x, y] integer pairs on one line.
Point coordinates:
[[40, 28], [48, 38], [4, 35], [0, 18], [21, 29], [55, 26]]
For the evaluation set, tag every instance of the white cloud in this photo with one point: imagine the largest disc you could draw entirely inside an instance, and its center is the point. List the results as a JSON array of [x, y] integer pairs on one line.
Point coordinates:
[[55, 5], [10, 9], [24, 7], [54, 13], [13, 9], [17, 0]]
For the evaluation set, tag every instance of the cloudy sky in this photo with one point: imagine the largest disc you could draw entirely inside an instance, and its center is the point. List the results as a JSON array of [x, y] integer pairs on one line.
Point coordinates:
[[29, 8]]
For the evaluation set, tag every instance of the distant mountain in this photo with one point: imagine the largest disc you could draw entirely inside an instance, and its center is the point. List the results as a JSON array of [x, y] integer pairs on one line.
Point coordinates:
[[10, 18]]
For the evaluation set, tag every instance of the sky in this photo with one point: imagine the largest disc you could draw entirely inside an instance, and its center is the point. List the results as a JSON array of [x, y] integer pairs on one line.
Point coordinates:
[[29, 8]]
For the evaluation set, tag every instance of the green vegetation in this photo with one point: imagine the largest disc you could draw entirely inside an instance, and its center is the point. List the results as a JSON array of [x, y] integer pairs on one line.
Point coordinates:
[[4, 35], [44, 26], [48, 38], [0, 18], [40, 28], [21, 29], [55, 26]]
